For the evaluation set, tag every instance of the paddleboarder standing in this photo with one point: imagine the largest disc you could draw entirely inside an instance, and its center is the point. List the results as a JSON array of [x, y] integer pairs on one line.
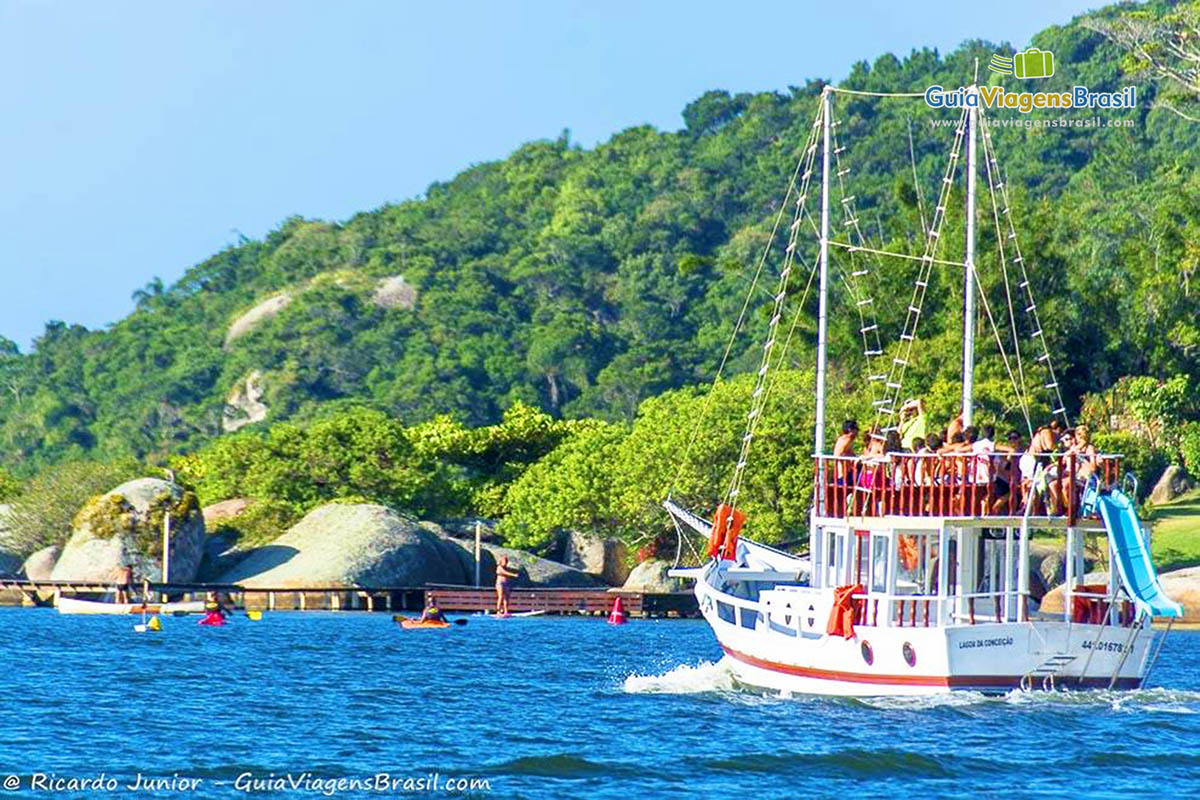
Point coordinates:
[[504, 576]]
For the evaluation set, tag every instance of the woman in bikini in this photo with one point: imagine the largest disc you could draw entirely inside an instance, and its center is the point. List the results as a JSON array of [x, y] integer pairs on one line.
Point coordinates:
[[1087, 461], [504, 577]]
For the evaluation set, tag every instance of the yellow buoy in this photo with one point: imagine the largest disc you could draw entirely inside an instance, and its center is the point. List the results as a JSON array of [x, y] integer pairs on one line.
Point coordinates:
[[254, 614], [155, 624]]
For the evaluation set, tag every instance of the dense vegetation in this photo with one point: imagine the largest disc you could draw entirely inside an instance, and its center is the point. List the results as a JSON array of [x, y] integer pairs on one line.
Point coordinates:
[[558, 308]]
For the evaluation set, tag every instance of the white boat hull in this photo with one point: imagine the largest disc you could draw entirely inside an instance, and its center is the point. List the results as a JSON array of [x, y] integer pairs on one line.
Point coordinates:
[[71, 605], [779, 642]]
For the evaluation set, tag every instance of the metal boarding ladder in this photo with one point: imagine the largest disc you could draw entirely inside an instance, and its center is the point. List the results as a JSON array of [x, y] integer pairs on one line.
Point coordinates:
[[1047, 671]]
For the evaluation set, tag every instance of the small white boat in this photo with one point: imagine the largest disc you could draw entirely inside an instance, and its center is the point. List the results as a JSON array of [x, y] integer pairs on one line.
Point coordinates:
[[71, 605]]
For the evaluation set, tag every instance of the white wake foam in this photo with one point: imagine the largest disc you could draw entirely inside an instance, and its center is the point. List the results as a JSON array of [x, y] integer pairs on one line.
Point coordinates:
[[707, 676]]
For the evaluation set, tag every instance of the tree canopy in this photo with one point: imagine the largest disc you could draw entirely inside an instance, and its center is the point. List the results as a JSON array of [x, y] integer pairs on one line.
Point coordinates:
[[536, 326]]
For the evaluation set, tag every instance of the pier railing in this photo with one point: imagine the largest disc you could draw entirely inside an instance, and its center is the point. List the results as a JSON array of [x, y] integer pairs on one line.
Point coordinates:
[[957, 484]]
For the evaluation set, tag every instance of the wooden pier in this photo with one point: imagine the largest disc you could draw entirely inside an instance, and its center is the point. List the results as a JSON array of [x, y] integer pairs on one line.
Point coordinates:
[[469, 599]]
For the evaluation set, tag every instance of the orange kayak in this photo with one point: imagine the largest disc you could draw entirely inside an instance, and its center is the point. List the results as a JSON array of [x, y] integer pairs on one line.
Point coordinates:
[[416, 624]]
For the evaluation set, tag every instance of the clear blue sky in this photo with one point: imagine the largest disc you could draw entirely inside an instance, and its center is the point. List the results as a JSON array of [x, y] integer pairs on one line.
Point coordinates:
[[138, 136]]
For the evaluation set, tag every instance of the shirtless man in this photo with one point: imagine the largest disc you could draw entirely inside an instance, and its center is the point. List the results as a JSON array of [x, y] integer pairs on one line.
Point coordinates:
[[956, 426], [844, 446], [504, 576], [125, 588], [1043, 443], [843, 471]]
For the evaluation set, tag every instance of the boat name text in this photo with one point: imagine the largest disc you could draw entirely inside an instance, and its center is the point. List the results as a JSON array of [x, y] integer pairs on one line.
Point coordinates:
[[969, 644]]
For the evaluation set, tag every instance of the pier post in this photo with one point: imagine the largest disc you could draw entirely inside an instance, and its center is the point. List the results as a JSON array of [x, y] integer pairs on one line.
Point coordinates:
[[166, 545], [478, 548]]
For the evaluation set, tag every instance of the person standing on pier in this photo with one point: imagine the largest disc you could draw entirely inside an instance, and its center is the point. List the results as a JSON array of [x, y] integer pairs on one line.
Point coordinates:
[[125, 588], [504, 577]]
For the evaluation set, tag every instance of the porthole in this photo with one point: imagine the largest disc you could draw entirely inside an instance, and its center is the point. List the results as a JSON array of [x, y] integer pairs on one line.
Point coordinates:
[[867, 653], [910, 655]]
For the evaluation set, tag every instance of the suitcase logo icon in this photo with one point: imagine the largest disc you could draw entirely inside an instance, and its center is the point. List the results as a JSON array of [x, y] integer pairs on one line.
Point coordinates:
[[1032, 63]]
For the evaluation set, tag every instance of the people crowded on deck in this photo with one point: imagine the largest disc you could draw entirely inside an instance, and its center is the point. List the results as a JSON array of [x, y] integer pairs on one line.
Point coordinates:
[[999, 475]]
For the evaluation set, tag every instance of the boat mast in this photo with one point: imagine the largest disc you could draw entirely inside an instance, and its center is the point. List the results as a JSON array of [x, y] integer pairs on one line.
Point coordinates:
[[968, 384], [822, 289]]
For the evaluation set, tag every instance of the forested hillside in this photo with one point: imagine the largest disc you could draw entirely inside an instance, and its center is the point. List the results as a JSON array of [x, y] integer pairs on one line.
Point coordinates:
[[583, 281]]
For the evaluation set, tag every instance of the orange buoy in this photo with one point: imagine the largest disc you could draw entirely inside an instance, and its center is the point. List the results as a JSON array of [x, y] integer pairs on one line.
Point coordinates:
[[617, 617]]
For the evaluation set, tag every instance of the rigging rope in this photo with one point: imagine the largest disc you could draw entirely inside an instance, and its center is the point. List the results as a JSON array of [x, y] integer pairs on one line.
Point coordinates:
[[886, 409], [890, 254], [1060, 407], [861, 93], [810, 146], [872, 344], [912, 158], [758, 397], [1022, 391]]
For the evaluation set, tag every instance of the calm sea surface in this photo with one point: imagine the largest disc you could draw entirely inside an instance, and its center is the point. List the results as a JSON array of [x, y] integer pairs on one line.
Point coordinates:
[[539, 708]]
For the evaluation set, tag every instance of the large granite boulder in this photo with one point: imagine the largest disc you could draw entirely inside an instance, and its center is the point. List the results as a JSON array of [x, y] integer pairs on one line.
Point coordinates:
[[244, 405], [224, 511], [1181, 585], [394, 292], [123, 527], [256, 316], [532, 571], [607, 559], [1052, 603], [342, 544], [221, 554], [1174, 482], [1051, 569], [40, 565], [651, 576]]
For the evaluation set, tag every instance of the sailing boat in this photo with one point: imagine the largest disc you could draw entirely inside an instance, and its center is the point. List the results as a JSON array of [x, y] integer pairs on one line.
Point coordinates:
[[917, 578]]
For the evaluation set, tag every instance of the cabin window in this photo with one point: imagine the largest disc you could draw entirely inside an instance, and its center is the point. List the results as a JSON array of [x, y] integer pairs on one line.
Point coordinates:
[[749, 617], [879, 563], [832, 559], [725, 612]]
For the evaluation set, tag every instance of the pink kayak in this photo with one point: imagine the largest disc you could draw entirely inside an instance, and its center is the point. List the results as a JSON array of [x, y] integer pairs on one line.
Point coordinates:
[[212, 618]]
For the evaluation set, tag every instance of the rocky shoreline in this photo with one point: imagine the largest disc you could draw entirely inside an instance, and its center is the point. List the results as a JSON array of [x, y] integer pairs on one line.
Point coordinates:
[[334, 545]]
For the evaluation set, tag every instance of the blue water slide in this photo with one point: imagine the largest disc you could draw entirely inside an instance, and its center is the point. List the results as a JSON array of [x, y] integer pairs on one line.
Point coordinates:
[[1133, 557]]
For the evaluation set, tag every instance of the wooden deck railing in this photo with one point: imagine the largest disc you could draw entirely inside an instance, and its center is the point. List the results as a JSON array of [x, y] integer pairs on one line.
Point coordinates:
[[953, 485]]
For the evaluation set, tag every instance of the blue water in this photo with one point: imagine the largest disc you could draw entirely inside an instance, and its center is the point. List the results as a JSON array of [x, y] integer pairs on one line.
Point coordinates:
[[540, 708]]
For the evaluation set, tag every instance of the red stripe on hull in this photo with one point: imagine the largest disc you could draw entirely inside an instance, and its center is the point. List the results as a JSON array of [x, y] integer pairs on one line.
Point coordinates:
[[938, 681]]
